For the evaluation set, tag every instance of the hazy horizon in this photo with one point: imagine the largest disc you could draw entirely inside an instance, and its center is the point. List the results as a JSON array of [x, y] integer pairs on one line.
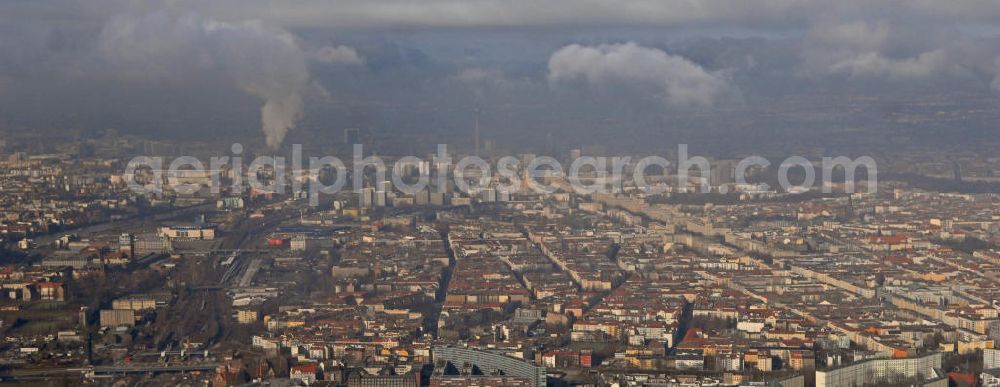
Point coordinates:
[[630, 74]]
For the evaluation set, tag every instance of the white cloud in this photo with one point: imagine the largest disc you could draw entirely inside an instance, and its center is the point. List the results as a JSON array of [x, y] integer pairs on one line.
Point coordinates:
[[874, 64], [880, 49], [682, 82], [338, 55]]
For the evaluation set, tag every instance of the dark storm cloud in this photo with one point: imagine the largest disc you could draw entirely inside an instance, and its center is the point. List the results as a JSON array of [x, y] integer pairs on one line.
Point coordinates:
[[517, 13], [828, 25], [561, 13]]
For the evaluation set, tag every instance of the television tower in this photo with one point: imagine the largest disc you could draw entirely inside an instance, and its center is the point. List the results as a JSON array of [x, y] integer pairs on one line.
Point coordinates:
[[477, 133]]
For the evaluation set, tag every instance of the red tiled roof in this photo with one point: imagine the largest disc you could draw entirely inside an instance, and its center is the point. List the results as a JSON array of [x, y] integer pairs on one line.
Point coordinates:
[[305, 368]]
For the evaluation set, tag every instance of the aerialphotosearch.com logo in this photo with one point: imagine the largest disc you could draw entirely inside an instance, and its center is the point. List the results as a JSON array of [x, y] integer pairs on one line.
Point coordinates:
[[586, 174]]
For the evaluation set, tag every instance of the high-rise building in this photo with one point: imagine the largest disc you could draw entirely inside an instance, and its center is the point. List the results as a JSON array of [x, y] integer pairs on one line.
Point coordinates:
[[489, 195], [381, 198], [352, 136], [366, 198], [503, 195], [422, 197], [991, 358], [722, 172], [574, 154], [437, 198], [246, 316], [993, 330], [126, 244]]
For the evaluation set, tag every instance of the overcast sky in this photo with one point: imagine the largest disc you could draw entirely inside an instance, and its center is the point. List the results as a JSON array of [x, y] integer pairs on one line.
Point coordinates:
[[278, 65]]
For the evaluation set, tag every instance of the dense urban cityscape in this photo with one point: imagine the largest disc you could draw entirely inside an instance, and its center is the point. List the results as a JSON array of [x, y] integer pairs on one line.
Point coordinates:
[[450, 288]]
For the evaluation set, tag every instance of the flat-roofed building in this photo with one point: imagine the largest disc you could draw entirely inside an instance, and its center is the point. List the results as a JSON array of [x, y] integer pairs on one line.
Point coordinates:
[[134, 303], [117, 318], [188, 232], [875, 370]]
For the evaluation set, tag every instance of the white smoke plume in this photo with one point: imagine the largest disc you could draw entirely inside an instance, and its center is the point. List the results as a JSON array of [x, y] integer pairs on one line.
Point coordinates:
[[682, 82], [264, 62], [278, 115]]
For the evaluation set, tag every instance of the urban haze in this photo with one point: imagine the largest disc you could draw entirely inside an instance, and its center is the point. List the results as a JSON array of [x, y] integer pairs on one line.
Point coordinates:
[[396, 193]]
